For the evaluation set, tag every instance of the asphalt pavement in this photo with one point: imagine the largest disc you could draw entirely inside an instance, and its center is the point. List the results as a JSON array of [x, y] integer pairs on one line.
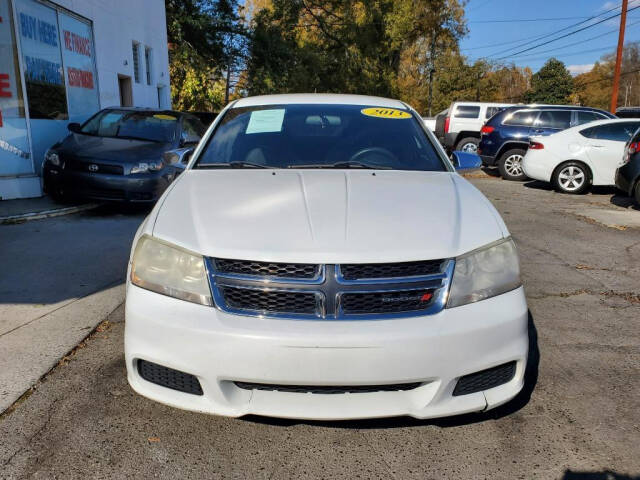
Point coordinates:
[[577, 417]]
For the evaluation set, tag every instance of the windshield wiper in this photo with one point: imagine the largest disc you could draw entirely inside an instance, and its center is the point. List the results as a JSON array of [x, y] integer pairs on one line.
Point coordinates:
[[347, 164], [131, 137], [233, 165]]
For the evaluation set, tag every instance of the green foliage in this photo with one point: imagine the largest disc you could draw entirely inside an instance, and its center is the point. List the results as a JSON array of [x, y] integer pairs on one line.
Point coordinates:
[[551, 84]]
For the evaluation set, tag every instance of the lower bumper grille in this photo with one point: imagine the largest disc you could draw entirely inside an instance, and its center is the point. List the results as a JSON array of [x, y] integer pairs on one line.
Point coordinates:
[[169, 378], [328, 390], [485, 379]]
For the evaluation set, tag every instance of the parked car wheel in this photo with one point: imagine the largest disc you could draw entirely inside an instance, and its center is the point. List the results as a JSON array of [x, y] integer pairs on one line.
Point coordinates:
[[510, 164], [571, 177], [468, 144], [636, 192]]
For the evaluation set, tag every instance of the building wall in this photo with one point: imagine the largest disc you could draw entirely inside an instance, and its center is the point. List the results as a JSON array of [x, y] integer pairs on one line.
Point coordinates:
[[116, 24]]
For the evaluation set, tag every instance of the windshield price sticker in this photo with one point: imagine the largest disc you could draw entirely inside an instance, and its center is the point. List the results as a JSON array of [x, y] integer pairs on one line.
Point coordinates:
[[162, 116], [266, 121], [385, 113]]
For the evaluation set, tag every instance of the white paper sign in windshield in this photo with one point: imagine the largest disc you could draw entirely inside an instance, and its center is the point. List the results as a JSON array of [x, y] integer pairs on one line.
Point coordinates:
[[266, 121]]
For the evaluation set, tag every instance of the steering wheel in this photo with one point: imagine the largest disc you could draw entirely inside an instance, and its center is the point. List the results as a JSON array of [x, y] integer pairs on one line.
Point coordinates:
[[361, 155]]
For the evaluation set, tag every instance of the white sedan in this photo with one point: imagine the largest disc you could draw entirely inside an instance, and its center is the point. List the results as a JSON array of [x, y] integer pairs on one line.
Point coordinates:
[[581, 156], [321, 258]]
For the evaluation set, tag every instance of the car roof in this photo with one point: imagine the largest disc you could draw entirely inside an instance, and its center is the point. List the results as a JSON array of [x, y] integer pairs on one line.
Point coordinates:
[[318, 98], [479, 104], [553, 107]]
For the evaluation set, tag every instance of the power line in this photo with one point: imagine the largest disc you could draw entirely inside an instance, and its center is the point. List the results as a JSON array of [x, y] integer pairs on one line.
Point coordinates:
[[576, 43], [516, 20], [555, 32], [565, 35]]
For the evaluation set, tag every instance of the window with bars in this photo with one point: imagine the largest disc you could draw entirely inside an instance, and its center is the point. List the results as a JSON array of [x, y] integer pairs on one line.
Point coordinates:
[[147, 63], [136, 62]]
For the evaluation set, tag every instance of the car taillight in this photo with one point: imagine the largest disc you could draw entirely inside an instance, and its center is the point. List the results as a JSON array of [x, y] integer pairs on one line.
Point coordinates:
[[486, 129], [446, 125], [535, 146], [632, 148]]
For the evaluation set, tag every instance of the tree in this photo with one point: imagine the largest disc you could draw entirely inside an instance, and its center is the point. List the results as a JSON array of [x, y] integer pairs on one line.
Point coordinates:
[[204, 44], [551, 84]]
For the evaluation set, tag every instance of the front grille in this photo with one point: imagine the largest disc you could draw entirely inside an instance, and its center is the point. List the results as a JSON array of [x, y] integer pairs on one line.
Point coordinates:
[[270, 301], [169, 378], [328, 390], [105, 193], [485, 379], [386, 302], [369, 271], [268, 269], [80, 166], [315, 291]]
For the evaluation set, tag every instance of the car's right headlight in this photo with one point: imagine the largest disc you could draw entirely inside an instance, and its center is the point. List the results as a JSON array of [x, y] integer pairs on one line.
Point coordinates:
[[484, 273], [168, 269], [52, 157]]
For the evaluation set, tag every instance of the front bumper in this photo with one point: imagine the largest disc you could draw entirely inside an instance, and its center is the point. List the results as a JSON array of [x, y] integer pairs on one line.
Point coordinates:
[[144, 187], [220, 348]]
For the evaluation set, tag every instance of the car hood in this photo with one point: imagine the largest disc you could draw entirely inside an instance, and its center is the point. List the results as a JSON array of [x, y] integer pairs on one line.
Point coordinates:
[[326, 216], [118, 150]]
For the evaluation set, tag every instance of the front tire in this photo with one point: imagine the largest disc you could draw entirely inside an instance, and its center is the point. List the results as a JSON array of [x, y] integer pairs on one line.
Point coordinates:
[[468, 145], [510, 165], [571, 177], [636, 193]]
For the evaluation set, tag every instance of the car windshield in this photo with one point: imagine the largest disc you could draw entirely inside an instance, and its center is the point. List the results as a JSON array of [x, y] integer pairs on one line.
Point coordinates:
[[136, 125], [320, 136]]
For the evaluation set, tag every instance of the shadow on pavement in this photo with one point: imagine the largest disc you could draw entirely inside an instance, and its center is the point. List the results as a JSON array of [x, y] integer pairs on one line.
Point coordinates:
[[530, 381], [604, 475]]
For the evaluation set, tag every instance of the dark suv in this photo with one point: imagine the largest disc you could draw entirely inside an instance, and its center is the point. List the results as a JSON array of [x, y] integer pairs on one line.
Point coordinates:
[[628, 173], [504, 139]]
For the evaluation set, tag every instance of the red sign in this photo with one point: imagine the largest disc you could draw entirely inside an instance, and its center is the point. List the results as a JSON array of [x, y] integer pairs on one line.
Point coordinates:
[[5, 85], [76, 43], [80, 78]]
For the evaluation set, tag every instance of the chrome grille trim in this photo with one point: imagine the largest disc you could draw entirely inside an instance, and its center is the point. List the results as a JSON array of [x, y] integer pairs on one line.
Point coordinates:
[[328, 289]]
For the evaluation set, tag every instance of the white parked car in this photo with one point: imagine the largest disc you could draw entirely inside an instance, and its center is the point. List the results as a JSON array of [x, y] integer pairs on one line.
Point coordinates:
[[581, 156], [320, 258]]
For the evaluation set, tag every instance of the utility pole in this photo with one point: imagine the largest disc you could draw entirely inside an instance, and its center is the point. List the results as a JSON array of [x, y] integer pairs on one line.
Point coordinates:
[[432, 69], [616, 75], [226, 87]]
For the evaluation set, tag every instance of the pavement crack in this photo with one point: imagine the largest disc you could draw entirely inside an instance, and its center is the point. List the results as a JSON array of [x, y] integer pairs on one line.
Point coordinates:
[[38, 432]]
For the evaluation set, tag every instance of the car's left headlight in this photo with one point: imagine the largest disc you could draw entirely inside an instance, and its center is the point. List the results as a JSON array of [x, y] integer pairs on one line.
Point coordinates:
[[168, 269], [485, 273], [147, 167]]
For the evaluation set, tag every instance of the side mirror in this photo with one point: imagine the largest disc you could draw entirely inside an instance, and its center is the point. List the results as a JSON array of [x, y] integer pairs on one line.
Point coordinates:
[[178, 157], [74, 127], [466, 161], [186, 140]]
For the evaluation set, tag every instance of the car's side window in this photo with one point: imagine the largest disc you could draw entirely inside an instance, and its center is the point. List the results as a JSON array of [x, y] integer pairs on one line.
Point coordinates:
[[467, 111], [615, 132], [491, 111], [524, 118], [586, 117], [560, 119]]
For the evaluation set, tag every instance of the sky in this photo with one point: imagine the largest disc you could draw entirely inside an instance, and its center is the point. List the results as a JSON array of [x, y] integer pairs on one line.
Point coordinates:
[[500, 29]]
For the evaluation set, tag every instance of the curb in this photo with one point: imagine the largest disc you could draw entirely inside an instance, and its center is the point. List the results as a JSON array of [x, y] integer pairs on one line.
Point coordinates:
[[56, 212]]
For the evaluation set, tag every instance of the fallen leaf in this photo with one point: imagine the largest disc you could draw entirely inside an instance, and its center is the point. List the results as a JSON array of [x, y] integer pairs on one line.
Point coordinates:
[[153, 439]]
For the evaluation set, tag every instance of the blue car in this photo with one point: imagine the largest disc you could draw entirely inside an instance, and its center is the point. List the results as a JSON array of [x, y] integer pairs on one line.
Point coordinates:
[[504, 139]]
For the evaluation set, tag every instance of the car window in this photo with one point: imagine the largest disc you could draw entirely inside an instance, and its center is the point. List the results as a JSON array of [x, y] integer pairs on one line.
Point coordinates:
[[467, 111], [491, 111], [616, 132], [559, 119], [192, 129], [521, 118], [320, 136], [586, 117], [140, 125]]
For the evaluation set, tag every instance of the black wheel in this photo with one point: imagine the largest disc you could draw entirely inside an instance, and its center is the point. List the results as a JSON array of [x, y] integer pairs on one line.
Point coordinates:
[[636, 193], [56, 192], [510, 164], [571, 177], [468, 144]]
